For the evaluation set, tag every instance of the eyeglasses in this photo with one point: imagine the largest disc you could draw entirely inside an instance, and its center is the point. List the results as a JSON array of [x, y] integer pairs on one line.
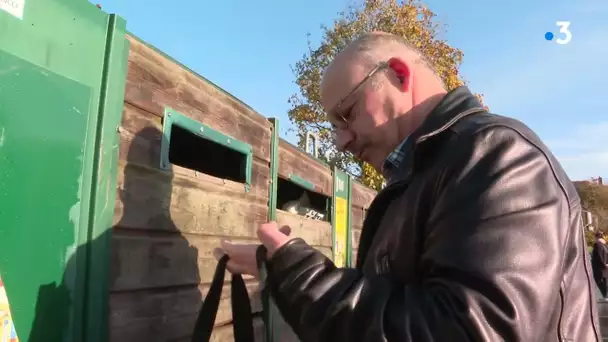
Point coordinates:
[[344, 119]]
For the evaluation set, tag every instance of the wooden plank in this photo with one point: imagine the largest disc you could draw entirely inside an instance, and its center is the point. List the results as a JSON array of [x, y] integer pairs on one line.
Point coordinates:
[[147, 261], [141, 152], [314, 232], [140, 123], [175, 329], [356, 237], [159, 329], [168, 73], [140, 140], [143, 260], [139, 306], [357, 217], [167, 224], [354, 257], [362, 196], [151, 200], [226, 334], [155, 82], [294, 161], [155, 200]]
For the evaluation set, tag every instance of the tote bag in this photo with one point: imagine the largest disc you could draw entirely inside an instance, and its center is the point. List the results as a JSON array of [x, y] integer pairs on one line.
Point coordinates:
[[242, 318]]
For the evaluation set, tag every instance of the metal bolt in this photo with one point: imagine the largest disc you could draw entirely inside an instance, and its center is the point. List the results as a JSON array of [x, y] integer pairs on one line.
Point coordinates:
[[119, 129], [202, 129], [229, 141], [168, 114]]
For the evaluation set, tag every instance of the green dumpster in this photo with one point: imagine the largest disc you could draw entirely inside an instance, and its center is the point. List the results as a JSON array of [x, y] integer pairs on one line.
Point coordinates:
[[62, 79]]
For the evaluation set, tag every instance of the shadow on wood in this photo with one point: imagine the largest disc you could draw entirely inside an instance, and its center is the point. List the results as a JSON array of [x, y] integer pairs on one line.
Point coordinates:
[[155, 275]]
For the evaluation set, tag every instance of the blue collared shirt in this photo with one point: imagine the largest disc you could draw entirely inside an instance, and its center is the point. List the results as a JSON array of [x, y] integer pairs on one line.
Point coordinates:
[[394, 160]]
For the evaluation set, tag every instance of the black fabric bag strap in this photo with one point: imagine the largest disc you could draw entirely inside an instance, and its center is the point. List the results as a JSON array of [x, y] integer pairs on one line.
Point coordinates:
[[242, 319]]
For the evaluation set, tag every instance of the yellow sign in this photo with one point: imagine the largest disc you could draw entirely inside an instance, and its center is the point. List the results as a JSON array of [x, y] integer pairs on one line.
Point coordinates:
[[7, 329], [341, 242]]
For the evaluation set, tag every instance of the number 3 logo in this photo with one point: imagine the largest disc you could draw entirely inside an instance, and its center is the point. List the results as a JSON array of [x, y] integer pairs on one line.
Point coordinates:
[[564, 27]]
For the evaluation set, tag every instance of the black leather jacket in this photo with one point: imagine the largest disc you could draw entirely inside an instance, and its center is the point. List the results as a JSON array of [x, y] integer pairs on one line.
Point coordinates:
[[479, 239]]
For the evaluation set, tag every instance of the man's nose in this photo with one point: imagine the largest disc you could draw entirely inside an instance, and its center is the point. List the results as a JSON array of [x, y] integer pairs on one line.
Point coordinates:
[[343, 139]]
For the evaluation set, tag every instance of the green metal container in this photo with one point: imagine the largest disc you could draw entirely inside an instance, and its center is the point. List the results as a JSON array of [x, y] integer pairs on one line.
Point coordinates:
[[62, 81]]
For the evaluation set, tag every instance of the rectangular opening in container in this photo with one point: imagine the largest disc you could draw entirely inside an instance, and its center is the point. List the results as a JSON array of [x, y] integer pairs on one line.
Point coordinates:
[[199, 154], [192, 145], [299, 200]]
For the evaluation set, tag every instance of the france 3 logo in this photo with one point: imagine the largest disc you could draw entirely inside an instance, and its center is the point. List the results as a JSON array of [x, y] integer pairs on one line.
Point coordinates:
[[564, 36]]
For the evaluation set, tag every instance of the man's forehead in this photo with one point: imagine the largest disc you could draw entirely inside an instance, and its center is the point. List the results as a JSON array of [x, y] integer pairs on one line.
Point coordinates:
[[338, 80]]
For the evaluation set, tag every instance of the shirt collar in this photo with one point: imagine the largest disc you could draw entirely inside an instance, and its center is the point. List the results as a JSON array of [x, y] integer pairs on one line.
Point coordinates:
[[394, 160], [455, 104]]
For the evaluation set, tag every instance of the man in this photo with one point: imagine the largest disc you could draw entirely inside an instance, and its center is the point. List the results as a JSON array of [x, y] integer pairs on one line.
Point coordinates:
[[599, 263], [476, 237]]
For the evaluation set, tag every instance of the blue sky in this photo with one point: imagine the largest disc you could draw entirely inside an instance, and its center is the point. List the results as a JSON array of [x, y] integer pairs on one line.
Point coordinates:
[[247, 48]]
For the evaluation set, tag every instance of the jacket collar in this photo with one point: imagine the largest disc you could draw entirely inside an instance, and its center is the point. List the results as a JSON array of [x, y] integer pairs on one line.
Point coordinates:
[[455, 105]]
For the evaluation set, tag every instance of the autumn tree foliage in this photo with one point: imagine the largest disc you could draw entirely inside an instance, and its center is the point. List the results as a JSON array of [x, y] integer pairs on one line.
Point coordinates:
[[409, 19]]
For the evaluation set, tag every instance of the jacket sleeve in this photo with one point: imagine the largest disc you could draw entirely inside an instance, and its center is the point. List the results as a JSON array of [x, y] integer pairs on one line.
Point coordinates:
[[489, 265]]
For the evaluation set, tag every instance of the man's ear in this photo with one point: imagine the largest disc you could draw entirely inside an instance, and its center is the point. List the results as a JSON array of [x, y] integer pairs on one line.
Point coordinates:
[[402, 71]]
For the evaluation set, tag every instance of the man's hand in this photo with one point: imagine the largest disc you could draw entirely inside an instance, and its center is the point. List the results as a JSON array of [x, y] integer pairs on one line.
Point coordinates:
[[243, 256]]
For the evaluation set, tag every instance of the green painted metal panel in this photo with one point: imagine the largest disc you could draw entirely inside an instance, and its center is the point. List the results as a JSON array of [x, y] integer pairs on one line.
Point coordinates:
[[65, 36], [41, 167], [173, 117], [104, 180], [60, 98], [301, 182], [349, 231], [270, 309], [341, 218], [274, 170]]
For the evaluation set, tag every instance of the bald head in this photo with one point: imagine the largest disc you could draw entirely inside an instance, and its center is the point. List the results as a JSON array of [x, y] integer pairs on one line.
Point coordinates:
[[368, 93], [376, 46], [370, 49]]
